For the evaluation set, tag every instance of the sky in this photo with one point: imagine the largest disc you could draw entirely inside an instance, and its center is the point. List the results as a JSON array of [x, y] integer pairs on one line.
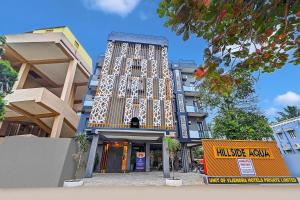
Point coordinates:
[[92, 20]]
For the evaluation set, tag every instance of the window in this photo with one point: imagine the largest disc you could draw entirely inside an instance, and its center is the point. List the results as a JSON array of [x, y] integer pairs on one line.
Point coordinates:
[[292, 134], [280, 136], [200, 126]]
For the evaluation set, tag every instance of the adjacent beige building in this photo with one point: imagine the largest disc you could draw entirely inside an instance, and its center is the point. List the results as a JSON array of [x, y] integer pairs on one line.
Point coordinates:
[[53, 72]]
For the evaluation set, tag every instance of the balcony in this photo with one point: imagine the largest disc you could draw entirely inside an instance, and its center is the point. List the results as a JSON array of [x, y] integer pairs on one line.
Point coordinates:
[[194, 111], [189, 89], [94, 82], [199, 134], [88, 102]]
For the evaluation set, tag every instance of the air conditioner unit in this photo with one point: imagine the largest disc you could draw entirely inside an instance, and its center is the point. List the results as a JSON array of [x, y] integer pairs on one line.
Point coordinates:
[[184, 77], [297, 146]]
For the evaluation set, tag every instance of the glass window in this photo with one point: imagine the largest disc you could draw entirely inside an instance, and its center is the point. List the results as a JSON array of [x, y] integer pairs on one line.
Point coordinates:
[[292, 134], [280, 136]]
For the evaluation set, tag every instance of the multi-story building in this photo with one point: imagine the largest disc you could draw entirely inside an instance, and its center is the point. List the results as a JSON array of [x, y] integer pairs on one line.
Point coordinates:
[[132, 84], [287, 136], [53, 72], [191, 126], [129, 105]]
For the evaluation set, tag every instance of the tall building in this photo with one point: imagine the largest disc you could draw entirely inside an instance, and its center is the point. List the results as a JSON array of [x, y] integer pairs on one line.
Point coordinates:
[[287, 136], [190, 115], [53, 72], [129, 105]]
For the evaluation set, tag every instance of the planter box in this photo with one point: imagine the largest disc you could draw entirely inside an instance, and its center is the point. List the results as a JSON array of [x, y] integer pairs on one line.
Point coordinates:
[[174, 182], [73, 183]]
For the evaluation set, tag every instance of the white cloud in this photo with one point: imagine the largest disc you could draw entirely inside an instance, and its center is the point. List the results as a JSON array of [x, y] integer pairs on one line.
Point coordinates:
[[271, 111], [289, 98], [119, 7]]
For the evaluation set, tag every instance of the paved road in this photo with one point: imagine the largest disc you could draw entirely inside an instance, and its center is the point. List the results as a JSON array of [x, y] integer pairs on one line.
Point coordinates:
[[241, 192]]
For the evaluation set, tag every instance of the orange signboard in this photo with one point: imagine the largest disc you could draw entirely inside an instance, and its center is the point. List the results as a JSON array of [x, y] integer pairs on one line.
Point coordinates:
[[243, 152], [222, 158]]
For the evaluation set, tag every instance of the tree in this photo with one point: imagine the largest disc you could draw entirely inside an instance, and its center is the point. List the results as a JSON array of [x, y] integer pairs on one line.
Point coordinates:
[[7, 77], [241, 95], [252, 36], [288, 113], [82, 149], [173, 146], [236, 124]]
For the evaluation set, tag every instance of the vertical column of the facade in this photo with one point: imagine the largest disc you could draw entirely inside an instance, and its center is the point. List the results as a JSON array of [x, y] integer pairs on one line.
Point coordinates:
[[22, 76], [147, 157], [166, 164], [99, 151], [128, 160], [181, 117], [65, 96], [185, 163], [91, 158]]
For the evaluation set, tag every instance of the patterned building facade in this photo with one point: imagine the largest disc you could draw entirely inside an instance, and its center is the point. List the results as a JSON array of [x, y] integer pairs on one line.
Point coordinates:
[[135, 98], [129, 107]]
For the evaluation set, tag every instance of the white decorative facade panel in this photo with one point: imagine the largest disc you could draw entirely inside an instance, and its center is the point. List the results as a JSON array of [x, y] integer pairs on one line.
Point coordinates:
[[184, 132], [122, 86], [106, 85], [181, 103], [128, 67], [149, 88], [107, 58], [162, 88], [137, 51], [134, 87], [143, 111], [154, 68], [151, 52], [117, 66], [144, 68], [178, 80], [168, 113], [156, 113], [128, 110], [165, 64], [99, 111], [124, 50]]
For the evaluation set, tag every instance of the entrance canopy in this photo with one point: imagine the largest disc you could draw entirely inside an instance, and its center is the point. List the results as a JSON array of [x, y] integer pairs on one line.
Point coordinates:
[[130, 134]]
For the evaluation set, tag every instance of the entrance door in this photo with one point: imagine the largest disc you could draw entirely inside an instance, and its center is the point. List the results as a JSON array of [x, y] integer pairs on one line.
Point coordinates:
[[114, 159]]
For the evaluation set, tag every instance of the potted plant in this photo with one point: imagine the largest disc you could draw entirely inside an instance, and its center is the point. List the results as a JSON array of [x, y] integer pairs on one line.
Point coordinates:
[[173, 147], [78, 157]]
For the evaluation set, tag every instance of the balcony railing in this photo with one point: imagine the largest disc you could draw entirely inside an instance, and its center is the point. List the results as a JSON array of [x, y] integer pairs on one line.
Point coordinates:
[[88, 101], [189, 88], [192, 109], [199, 134]]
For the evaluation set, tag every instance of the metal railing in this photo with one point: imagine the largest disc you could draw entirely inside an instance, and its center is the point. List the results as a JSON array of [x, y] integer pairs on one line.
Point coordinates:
[[199, 134]]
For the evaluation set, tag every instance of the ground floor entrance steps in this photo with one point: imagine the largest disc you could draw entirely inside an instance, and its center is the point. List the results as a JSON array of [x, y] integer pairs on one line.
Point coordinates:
[[153, 178]]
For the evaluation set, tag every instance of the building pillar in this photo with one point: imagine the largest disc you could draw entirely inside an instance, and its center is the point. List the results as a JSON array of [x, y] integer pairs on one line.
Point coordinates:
[[128, 157], [22, 76], [68, 84], [147, 157], [99, 152], [91, 158], [166, 164], [57, 126], [192, 155], [185, 163]]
